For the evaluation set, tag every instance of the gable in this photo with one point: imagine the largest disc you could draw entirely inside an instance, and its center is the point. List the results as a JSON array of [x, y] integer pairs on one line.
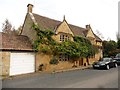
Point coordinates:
[[64, 28], [90, 34], [27, 27]]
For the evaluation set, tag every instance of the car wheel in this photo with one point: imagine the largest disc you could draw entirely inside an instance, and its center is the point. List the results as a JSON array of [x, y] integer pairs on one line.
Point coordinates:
[[94, 68], [107, 67], [116, 65]]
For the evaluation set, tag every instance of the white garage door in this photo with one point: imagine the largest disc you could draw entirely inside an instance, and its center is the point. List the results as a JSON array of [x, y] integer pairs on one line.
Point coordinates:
[[21, 63]]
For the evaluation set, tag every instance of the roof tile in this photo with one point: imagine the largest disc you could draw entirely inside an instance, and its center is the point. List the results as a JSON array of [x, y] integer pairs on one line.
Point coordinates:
[[15, 42]]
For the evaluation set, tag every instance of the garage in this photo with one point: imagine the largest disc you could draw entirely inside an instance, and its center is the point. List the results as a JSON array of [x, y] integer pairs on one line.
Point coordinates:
[[22, 63], [18, 55]]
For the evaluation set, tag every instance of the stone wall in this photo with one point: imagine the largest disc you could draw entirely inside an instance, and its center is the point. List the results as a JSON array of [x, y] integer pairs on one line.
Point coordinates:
[[27, 29], [5, 63], [44, 59]]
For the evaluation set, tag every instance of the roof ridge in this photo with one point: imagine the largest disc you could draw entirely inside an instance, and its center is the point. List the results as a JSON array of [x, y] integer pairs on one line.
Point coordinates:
[[47, 17], [47, 22], [58, 21]]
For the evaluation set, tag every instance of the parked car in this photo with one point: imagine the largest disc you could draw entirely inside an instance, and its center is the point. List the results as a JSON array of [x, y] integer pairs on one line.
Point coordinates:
[[117, 58], [105, 63]]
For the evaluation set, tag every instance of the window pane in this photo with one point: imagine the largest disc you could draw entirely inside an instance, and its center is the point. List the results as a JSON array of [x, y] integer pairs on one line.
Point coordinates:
[[63, 38], [60, 37]]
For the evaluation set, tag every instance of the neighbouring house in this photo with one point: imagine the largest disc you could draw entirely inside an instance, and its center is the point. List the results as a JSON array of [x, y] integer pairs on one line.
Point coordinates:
[[63, 30], [17, 55]]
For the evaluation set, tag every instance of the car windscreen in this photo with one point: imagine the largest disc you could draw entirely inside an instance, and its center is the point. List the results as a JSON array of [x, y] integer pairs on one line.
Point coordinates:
[[106, 59], [118, 55]]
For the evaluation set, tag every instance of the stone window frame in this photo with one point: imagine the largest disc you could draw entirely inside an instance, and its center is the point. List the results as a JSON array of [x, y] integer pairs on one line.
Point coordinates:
[[63, 57], [64, 37]]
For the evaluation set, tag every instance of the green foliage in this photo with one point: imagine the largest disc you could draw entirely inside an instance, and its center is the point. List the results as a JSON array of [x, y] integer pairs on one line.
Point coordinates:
[[118, 43], [81, 40], [114, 52], [109, 48], [81, 47], [68, 48], [54, 61], [86, 47], [45, 49], [44, 39]]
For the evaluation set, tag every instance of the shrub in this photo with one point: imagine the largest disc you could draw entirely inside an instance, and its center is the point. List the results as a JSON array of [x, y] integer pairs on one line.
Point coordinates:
[[54, 61]]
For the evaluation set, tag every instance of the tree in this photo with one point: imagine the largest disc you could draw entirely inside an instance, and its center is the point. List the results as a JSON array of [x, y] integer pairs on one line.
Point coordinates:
[[109, 47], [99, 34], [118, 40], [7, 27], [118, 43], [118, 35]]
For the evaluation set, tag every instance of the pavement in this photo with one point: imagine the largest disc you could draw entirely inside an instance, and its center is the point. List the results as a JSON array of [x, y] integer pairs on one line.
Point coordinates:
[[36, 73], [87, 78], [76, 68]]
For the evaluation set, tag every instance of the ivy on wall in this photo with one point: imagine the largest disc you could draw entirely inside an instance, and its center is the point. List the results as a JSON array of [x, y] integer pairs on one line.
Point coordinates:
[[80, 47]]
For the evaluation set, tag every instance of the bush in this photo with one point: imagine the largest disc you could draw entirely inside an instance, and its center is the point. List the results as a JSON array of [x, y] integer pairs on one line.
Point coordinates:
[[44, 49], [54, 61]]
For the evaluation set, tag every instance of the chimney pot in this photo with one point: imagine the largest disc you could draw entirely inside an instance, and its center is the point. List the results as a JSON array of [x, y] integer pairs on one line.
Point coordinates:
[[88, 26], [30, 6]]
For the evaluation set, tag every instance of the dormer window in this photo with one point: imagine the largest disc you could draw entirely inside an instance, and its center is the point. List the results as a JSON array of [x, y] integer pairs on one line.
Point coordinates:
[[64, 37]]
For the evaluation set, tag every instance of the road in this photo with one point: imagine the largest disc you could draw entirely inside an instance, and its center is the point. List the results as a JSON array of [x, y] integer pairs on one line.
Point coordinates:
[[88, 78]]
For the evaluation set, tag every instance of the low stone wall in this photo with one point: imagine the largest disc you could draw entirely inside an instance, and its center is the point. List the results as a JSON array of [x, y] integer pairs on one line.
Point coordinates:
[[44, 59]]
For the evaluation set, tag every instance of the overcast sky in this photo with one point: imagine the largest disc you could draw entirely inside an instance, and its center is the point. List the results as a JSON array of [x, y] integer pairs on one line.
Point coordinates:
[[102, 15]]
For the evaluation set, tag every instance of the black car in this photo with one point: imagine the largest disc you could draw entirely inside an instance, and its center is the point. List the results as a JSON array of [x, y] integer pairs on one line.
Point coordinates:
[[105, 63], [117, 58]]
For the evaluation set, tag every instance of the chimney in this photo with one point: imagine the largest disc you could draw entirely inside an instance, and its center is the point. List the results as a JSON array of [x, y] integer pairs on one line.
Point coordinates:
[[63, 17], [88, 26], [30, 6]]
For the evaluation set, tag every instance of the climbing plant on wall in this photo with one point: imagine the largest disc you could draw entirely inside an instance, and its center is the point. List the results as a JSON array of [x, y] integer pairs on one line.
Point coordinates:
[[80, 47], [44, 42]]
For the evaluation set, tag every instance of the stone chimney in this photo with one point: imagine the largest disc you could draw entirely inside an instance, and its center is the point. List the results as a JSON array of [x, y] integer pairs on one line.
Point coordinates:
[[30, 6], [88, 26], [63, 17]]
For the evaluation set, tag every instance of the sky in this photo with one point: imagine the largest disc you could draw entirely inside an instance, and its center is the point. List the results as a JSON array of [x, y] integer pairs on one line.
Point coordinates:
[[102, 15]]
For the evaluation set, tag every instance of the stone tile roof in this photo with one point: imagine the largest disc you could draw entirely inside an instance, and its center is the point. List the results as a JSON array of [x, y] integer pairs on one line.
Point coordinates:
[[45, 22], [97, 38], [15, 42]]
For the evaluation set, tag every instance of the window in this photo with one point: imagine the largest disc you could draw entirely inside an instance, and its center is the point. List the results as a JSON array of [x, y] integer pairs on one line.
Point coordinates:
[[64, 37], [63, 57], [61, 37]]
